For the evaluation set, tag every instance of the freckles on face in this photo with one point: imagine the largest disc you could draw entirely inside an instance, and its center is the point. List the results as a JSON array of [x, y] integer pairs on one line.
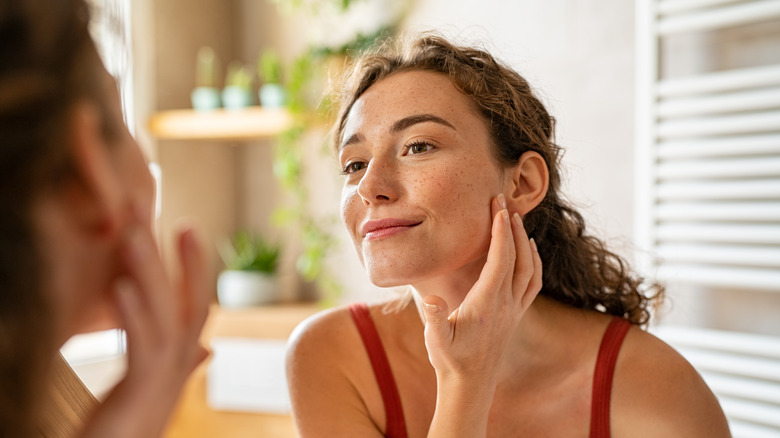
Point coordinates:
[[417, 154]]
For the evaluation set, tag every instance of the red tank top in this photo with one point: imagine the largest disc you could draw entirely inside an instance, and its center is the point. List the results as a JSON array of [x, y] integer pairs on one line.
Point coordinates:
[[396, 425]]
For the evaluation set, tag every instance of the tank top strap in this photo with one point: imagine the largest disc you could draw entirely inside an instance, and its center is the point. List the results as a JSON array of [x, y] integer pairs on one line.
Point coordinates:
[[603, 374], [396, 424]]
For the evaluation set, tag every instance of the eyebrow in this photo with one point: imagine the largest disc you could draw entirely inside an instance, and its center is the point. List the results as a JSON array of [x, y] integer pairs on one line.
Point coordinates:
[[402, 124]]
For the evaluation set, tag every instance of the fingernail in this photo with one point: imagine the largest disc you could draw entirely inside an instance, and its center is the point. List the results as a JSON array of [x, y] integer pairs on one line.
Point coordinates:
[[505, 215], [518, 219], [431, 307], [533, 245], [502, 200]]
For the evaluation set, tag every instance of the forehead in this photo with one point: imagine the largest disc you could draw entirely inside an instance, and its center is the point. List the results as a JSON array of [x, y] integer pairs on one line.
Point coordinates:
[[407, 93]]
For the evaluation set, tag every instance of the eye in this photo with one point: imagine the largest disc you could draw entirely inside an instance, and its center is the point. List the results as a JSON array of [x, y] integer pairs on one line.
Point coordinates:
[[352, 167], [418, 147]]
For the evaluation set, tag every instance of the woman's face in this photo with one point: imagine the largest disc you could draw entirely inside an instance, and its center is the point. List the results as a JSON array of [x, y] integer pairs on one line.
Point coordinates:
[[87, 303], [136, 191], [129, 162], [420, 177]]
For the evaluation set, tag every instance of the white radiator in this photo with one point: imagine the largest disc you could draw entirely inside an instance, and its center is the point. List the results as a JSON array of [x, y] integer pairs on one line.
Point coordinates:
[[708, 186], [743, 370], [708, 153]]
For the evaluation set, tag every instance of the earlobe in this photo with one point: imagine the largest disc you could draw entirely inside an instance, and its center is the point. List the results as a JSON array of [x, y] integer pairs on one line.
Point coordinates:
[[529, 181], [99, 189]]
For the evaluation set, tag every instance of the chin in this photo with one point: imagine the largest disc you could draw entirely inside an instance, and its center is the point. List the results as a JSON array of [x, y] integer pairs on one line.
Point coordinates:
[[386, 282], [388, 276]]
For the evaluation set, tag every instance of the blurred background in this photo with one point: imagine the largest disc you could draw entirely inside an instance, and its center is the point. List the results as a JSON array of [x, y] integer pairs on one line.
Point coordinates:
[[669, 112]]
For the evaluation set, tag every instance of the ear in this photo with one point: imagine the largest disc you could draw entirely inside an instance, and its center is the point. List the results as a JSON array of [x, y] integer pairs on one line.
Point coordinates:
[[527, 183], [97, 188]]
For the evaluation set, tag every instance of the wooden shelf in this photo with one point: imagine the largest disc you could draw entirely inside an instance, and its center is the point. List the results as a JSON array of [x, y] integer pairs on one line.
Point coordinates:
[[221, 124]]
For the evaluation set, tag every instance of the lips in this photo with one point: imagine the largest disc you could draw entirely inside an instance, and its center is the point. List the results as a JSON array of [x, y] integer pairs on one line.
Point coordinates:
[[382, 227]]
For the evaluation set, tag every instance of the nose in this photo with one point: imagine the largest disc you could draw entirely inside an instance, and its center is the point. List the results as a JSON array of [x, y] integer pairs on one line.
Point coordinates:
[[379, 182]]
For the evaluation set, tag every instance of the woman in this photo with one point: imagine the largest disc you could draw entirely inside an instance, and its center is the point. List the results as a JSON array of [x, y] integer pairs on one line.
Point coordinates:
[[449, 168], [78, 250]]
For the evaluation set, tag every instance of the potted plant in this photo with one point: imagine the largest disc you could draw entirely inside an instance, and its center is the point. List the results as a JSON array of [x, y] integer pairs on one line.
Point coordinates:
[[205, 96], [249, 278], [237, 93], [269, 70]]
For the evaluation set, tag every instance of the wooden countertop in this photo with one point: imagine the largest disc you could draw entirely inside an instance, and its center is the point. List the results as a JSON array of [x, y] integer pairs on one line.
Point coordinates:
[[193, 418]]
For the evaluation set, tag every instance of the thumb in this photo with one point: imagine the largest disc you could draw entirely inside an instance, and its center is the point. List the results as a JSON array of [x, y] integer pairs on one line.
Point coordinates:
[[437, 324]]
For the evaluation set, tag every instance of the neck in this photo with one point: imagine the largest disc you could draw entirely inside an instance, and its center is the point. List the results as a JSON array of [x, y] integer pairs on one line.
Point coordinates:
[[551, 339], [538, 341], [452, 287]]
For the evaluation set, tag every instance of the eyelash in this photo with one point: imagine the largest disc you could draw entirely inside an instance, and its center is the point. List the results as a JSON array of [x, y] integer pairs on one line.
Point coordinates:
[[407, 148], [346, 170]]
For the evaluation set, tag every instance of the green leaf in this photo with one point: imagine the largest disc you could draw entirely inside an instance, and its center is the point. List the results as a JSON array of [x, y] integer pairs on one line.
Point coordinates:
[[249, 252], [283, 216]]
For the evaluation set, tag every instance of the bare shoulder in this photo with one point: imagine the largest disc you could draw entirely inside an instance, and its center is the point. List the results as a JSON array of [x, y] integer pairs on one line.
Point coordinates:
[[325, 334], [657, 392], [328, 372]]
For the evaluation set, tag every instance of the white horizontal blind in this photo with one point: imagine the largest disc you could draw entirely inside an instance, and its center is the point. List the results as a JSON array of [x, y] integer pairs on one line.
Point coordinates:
[[709, 155], [742, 370]]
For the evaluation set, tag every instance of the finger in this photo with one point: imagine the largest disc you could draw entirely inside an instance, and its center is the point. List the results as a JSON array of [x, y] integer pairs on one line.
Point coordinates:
[[135, 320], [438, 329], [497, 204], [146, 270], [524, 264], [535, 285], [496, 274], [195, 294]]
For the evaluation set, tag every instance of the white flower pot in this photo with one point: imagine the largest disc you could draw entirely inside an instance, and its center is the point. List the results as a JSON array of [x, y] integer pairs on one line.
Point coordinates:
[[205, 98], [271, 95], [236, 98], [246, 288]]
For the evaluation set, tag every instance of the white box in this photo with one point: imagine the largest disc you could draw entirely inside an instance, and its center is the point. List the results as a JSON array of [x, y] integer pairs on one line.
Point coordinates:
[[248, 375]]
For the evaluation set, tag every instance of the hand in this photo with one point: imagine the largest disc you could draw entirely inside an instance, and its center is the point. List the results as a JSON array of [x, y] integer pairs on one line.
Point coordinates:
[[466, 347], [163, 325], [470, 341]]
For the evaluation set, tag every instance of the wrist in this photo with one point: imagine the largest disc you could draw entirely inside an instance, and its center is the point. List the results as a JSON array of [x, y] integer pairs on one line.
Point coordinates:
[[462, 407], [467, 392]]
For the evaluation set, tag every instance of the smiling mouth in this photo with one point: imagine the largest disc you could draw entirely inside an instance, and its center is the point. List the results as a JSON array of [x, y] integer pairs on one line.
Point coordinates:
[[386, 227]]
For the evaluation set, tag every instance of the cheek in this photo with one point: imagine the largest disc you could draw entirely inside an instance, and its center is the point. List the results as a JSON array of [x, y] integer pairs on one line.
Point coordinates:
[[351, 206], [464, 203], [144, 186], [460, 194]]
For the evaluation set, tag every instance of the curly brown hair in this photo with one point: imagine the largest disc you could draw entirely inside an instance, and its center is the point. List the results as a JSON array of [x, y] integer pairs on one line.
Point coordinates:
[[579, 270]]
